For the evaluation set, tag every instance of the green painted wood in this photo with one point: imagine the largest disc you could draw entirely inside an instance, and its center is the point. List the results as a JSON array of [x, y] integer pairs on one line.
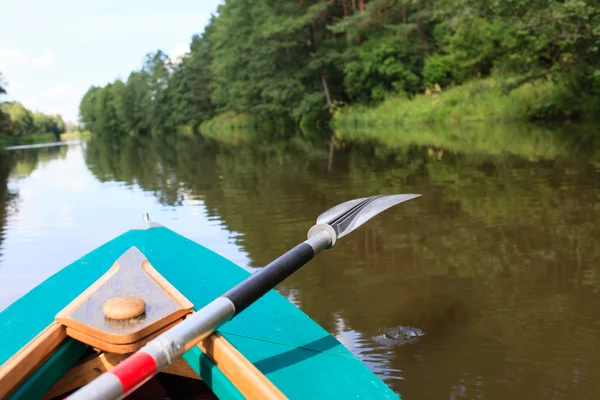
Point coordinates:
[[212, 376], [267, 330], [51, 371], [315, 374]]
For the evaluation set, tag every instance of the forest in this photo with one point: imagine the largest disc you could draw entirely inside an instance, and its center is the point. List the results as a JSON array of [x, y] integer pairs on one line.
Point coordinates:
[[305, 62], [18, 121]]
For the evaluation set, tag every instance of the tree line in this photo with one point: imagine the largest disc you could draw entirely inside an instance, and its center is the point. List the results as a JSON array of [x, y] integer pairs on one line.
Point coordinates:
[[16, 120], [298, 60]]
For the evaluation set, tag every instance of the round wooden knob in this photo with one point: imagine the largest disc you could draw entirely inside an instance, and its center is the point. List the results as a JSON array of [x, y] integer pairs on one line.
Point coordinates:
[[124, 307]]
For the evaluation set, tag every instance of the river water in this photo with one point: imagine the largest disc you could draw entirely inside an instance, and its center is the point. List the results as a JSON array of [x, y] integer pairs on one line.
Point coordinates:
[[497, 264]]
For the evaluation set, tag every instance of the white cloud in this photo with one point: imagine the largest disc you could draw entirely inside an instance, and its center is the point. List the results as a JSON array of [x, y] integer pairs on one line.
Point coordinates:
[[19, 67], [11, 56], [58, 90], [14, 61], [179, 51], [17, 84], [44, 61], [56, 99]]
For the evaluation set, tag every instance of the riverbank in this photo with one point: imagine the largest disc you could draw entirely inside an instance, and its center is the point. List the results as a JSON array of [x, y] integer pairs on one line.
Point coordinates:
[[483, 100], [75, 135], [27, 139], [477, 101], [40, 138]]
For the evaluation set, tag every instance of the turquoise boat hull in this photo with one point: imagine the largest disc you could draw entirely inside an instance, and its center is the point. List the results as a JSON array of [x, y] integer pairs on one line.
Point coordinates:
[[296, 354]]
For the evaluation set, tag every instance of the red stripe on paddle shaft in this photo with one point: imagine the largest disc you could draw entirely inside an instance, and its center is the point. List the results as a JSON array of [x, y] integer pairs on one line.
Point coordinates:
[[134, 370]]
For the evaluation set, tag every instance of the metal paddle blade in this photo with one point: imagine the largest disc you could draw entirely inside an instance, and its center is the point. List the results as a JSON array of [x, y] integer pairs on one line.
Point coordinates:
[[346, 217]]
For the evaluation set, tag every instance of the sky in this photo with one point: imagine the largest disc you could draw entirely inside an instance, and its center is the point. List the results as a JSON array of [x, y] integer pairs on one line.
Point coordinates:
[[51, 52]]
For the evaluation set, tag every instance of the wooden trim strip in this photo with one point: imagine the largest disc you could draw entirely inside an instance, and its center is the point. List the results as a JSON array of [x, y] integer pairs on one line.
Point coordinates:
[[252, 383], [116, 347], [132, 339], [165, 285], [65, 312], [23, 363]]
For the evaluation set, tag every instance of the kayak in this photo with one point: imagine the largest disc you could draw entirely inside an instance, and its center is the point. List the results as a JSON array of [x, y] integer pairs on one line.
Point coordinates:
[[88, 317]]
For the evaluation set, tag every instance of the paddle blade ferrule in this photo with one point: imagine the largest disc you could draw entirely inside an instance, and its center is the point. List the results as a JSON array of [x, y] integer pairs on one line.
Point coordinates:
[[313, 235]]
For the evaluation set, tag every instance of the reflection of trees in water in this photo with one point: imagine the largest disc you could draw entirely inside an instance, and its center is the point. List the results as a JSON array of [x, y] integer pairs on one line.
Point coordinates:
[[27, 160], [498, 260], [7, 198], [531, 142], [20, 164]]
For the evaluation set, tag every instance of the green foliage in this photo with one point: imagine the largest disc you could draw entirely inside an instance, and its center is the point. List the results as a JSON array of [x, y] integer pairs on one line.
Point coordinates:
[[136, 100], [22, 120], [140, 106], [285, 61], [190, 93], [439, 69], [275, 58], [2, 84], [5, 127], [44, 123], [18, 121], [379, 67]]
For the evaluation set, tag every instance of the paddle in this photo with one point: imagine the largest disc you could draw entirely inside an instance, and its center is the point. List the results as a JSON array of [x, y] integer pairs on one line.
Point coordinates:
[[160, 352]]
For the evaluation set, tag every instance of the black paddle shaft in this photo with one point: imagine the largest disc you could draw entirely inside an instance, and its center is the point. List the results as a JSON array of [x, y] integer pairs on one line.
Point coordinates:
[[258, 284]]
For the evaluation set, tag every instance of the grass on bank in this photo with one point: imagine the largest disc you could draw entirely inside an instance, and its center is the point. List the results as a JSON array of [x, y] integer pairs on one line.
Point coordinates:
[[75, 135], [478, 100]]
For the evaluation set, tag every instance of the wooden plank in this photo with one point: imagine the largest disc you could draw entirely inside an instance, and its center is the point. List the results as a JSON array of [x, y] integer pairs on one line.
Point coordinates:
[[17, 368], [240, 372], [92, 368], [83, 373], [181, 368]]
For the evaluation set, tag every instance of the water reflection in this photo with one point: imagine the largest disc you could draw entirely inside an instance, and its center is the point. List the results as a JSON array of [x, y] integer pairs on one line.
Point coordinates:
[[7, 197], [498, 262]]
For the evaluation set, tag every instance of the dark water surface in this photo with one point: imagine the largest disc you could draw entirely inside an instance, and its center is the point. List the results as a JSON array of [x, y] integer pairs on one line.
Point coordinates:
[[497, 265]]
